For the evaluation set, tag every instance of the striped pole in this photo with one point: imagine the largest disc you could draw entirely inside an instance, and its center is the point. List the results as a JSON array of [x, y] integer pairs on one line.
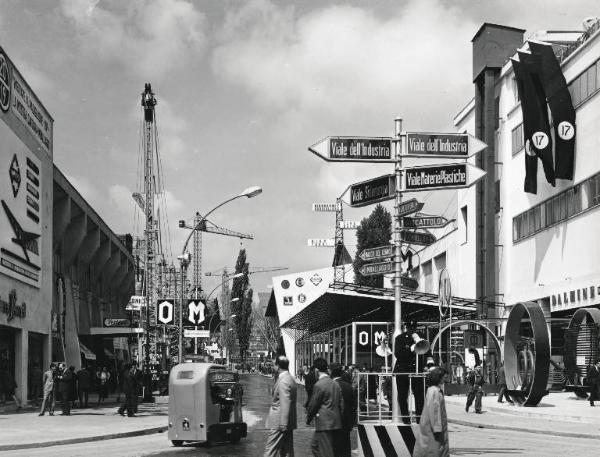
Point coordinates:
[[388, 440]]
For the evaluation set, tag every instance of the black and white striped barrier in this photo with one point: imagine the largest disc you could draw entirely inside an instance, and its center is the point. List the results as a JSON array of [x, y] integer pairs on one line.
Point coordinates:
[[388, 440]]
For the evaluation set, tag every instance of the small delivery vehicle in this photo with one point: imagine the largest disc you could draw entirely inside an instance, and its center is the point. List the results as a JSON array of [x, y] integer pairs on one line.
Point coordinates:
[[205, 404]]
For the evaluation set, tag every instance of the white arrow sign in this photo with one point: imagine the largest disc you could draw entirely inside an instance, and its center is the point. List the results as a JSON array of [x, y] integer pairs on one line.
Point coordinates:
[[354, 149], [446, 145], [321, 242], [324, 207], [441, 176]]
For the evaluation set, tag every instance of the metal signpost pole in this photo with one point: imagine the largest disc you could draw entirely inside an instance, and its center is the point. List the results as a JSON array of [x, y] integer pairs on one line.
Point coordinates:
[[397, 258]]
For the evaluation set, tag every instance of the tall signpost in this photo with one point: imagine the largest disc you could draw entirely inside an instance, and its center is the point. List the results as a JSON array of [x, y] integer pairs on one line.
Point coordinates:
[[454, 173]]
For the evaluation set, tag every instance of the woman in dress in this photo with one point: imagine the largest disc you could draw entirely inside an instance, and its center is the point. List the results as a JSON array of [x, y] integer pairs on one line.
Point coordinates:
[[433, 427]]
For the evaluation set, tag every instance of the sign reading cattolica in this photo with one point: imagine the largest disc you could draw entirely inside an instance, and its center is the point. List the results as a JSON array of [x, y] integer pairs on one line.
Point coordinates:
[[373, 191], [353, 149]]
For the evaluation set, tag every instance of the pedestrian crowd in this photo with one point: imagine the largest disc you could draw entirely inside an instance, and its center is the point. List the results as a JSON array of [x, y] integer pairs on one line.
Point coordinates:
[[72, 388]]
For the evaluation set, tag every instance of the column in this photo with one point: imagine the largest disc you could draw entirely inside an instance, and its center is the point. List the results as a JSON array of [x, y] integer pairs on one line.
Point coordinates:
[[21, 368]]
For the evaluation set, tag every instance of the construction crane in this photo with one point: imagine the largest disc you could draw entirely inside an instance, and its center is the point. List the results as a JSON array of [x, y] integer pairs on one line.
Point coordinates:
[[209, 227]]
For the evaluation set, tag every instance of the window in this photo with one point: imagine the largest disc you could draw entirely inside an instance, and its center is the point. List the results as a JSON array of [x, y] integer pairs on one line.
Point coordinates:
[[558, 208], [517, 139], [497, 197], [464, 218], [586, 84]]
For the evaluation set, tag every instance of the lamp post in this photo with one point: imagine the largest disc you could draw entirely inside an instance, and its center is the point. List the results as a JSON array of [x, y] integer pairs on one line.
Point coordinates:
[[184, 258]]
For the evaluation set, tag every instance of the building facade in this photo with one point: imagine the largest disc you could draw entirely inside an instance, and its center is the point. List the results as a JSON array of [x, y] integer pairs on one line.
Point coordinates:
[[64, 275]]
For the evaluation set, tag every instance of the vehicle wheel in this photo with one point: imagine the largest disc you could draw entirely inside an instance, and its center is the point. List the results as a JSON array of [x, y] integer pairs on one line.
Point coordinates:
[[177, 443], [235, 437]]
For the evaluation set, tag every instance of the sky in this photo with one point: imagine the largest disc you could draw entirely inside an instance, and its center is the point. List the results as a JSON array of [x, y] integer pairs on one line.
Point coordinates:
[[243, 88]]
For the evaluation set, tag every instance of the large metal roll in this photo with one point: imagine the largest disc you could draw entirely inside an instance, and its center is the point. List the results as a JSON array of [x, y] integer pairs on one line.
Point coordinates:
[[527, 369], [581, 343]]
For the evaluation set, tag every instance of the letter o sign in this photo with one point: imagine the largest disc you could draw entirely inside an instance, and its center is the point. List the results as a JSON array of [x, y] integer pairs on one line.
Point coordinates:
[[165, 312], [363, 338]]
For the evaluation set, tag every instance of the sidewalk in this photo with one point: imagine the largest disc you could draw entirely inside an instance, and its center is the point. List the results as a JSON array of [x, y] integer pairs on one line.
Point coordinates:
[[559, 413], [26, 429]]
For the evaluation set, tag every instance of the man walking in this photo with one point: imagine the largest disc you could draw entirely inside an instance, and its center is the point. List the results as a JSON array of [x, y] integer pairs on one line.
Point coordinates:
[[64, 379], [325, 406], [49, 389], [282, 416], [129, 387], [342, 437], [476, 381], [84, 383], [593, 378]]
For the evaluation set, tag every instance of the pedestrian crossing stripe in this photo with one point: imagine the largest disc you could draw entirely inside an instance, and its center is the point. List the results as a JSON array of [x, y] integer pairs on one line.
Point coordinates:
[[390, 440]]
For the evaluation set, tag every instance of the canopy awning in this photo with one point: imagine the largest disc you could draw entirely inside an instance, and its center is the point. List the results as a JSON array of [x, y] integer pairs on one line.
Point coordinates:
[[344, 303], [109, 354], [89, 355]]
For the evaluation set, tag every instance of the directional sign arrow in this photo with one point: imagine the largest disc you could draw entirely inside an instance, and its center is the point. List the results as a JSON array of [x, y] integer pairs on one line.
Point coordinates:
[[354, 149], [409, 207], [421, 238], [373, 191], [426, 222], [372, 269], [455, 145], [378, 253], [442, 176]]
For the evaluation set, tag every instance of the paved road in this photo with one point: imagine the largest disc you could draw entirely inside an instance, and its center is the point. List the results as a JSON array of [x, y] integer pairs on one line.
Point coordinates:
[[464, 441]]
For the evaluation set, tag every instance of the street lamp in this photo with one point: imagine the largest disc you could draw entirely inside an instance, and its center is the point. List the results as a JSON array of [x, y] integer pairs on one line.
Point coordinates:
[[185, 257]]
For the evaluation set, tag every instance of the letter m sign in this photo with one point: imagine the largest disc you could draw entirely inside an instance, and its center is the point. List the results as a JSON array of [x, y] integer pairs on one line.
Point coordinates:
[[196, 312]]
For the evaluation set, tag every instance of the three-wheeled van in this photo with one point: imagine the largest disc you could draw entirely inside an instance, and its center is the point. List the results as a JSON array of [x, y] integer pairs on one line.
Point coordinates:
[[205, 404]]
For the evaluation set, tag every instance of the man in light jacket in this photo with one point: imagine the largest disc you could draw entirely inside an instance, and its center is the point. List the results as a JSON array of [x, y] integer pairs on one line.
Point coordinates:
[[282, 416], [326, 407]]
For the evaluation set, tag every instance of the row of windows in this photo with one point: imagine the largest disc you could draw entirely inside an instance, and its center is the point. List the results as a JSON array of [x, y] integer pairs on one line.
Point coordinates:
[[586, 84], [517, 139], [562, 206]]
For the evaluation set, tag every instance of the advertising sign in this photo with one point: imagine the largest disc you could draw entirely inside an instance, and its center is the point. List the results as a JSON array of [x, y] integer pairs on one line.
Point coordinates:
[[20, 212], [136, 302], [445, 176], [117, 322], [164, 311], [349, 225], [195, 314], [321, 242], [354, 149], [324, 207], [192, 333], [456, 145], [369, 336], [373, 191], [409, 283]]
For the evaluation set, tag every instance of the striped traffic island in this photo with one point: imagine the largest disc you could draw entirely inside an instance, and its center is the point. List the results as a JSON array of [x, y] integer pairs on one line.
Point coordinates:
[[386, 439]]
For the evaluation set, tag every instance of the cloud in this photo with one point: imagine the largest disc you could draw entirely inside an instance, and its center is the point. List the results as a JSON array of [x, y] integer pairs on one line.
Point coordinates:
[[148, 37], [342, 60], [85, 188]]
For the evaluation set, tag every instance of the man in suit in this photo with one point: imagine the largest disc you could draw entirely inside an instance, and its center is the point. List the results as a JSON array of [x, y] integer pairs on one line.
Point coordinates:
[[406, 362], [282, 416], [326, 407], [594, 382], [129, 387], [64, 378], [342, 437]]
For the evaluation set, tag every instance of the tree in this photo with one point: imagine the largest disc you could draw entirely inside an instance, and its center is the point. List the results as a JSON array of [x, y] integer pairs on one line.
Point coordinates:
[[241, 304], [373, 231]]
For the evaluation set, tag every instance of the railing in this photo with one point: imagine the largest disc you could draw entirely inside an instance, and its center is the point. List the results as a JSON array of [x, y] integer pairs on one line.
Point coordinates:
[[565, 52], [374, 396]]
